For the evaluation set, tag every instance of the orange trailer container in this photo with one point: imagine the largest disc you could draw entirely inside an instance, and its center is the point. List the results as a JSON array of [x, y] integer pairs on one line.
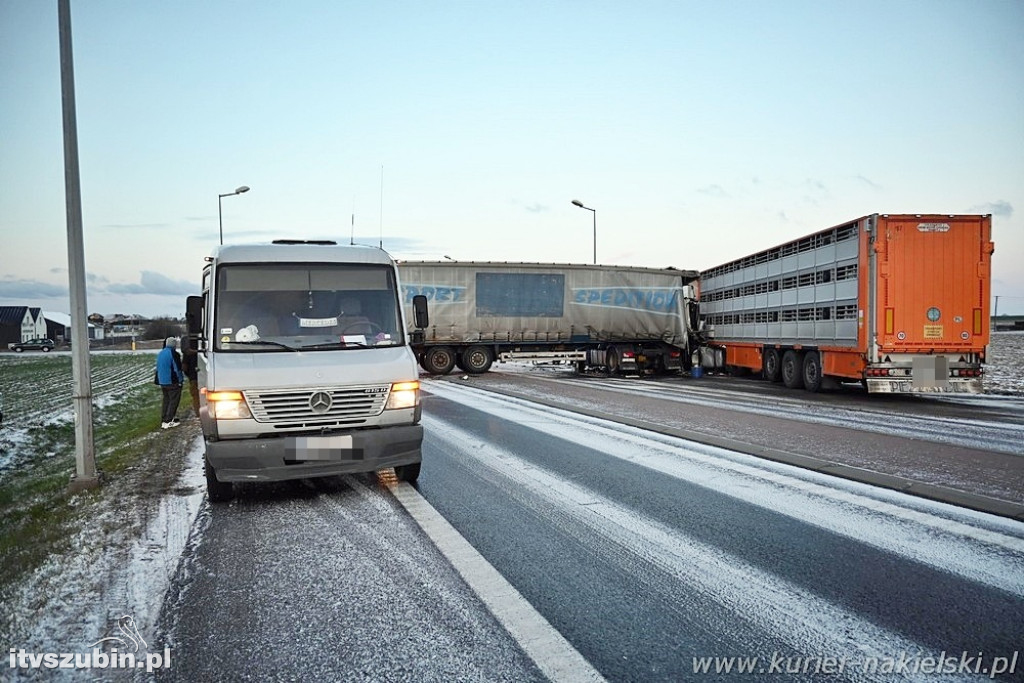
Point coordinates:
[[898, 302]]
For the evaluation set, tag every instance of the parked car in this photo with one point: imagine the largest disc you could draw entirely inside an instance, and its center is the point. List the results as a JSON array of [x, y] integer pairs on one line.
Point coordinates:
[[32, 345]]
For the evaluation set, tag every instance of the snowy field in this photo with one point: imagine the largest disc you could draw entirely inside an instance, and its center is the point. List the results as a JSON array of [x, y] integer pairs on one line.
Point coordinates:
[[35, 396]]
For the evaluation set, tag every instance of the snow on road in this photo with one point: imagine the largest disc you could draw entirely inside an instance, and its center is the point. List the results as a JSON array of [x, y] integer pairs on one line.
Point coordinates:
[[974, 545], [978, 549], [967, 433]]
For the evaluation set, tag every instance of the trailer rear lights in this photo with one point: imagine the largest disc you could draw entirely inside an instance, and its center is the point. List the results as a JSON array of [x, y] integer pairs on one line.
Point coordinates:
[[888, 372], [628, 354], [966, 372], [404, 395]]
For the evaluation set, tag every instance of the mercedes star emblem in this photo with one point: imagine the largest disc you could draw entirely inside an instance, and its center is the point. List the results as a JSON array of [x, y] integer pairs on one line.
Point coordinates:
[[320, 402]]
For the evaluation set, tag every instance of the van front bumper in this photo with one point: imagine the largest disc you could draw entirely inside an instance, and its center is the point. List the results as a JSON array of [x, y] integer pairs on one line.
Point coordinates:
[[282, 458]]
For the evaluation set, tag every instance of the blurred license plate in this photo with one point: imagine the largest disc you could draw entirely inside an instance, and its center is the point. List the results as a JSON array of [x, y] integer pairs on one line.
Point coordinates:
[[320, 448]]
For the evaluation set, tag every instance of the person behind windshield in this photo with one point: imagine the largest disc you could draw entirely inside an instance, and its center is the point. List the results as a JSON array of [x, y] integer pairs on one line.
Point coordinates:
[[170, 378]]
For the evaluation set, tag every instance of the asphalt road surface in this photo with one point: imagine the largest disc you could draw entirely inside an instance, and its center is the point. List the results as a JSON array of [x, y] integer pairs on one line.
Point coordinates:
[[647, 553], [653, 557]]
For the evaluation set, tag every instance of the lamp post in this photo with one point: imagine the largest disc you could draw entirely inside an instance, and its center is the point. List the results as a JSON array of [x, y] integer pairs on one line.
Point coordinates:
[[220, 212], [578, 203]]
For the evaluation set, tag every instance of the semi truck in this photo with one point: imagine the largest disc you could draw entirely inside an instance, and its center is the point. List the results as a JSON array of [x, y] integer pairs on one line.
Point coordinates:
[[613, 318], [304, 364], [896, 302]]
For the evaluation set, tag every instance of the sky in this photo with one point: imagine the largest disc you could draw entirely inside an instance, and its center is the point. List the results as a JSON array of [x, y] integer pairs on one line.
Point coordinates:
[[698, 132]]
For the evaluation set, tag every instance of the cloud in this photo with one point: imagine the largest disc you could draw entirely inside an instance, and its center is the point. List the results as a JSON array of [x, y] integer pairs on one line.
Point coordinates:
[[235, 236], [535, 207], [30, 289], [867, 181], [136, 226], [713, 191], [1001, 208], [151, 282]]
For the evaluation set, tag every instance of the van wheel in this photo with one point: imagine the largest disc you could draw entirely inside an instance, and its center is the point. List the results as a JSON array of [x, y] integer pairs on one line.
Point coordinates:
[[409, 473], [792, 370], [477, 360], [772, 369], [439, 360], [218, 491], [812, 371]]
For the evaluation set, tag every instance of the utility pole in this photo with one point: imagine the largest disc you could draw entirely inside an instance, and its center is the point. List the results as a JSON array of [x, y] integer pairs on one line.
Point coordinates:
[[85, 454]]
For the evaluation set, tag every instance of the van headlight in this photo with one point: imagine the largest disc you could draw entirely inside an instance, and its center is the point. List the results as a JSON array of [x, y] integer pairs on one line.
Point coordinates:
[[404, 395], [227, 405]]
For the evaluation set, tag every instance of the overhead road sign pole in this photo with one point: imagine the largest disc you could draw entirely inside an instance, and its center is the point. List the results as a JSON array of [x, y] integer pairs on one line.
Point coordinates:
[[85, 455]]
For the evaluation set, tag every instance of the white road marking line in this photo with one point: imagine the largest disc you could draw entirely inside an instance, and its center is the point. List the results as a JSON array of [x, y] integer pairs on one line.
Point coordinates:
[[548, 648]]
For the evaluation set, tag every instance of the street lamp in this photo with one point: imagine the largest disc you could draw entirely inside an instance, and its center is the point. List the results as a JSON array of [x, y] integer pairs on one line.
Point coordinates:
[[220, 212], [578, 203]]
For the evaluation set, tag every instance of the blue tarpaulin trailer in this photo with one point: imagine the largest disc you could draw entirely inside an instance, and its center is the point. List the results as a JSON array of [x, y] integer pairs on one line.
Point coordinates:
[[620, 319]]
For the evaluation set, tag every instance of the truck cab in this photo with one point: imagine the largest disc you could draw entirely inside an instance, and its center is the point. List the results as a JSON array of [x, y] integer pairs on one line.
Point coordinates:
[[304, 365]]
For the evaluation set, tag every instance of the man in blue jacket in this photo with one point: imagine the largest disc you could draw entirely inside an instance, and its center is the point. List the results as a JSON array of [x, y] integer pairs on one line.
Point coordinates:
[[170, 378]]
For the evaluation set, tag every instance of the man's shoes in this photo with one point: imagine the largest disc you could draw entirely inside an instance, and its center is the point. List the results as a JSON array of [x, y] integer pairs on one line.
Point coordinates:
[[173, 423]]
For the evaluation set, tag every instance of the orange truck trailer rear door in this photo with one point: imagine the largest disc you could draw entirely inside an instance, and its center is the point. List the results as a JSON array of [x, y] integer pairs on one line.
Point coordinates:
[[929, 290]]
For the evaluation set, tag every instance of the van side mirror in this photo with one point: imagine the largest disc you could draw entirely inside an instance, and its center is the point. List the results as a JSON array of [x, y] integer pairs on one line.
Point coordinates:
[[421, 319]]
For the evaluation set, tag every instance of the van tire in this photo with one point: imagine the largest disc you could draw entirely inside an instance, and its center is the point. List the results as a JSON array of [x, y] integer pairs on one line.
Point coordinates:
[[217, 491], [408, 473]]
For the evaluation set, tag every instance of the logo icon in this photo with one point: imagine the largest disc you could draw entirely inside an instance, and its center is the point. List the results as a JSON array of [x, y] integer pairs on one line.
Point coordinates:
[[131, 640], [320, 402]]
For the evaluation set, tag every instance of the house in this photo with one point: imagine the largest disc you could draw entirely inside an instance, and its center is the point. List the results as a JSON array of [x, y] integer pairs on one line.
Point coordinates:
[[58, 328], [20, 323]]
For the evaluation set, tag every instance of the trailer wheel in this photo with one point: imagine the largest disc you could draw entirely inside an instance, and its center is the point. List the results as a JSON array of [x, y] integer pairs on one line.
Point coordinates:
[[477, 359], [792, 370], [772, 365], [612, 361], [812, 371], [439, 360]]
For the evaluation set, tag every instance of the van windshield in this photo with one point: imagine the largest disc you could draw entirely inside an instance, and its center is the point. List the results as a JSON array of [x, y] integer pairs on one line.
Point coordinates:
[[306, 307]]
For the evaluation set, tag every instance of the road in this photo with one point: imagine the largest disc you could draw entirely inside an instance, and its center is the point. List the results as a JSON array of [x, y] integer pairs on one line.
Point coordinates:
[[650, 555]]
